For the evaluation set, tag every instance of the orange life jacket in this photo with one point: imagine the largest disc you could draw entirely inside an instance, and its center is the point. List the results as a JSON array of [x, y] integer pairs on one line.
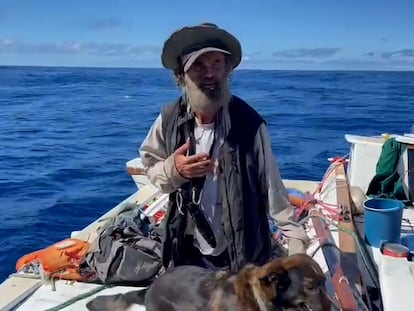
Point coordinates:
[[60, 260]]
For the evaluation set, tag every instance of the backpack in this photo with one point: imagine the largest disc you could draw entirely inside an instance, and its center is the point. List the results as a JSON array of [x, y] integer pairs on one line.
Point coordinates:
[[127, 251]]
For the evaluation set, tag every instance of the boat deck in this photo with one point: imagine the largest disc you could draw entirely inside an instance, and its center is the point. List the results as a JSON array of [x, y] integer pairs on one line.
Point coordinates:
[[46, 299], [24, 293], [19, 286], [34, 294]]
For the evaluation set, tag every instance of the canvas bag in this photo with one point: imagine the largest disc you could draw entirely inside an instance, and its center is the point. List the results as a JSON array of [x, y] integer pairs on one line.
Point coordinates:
[[126, 251]]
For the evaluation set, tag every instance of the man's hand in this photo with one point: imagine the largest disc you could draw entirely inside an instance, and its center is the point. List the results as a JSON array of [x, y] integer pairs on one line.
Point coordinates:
[[197, 165]]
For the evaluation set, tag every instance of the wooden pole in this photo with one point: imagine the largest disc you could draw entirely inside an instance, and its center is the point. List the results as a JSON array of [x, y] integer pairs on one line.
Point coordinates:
[[347, 243], [331, 253]]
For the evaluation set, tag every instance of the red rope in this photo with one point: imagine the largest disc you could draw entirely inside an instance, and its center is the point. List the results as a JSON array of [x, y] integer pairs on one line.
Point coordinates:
[[331, 209]]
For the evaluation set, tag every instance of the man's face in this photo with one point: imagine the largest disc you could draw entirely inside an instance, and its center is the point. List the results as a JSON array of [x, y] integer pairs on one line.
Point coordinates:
[[206, 82]]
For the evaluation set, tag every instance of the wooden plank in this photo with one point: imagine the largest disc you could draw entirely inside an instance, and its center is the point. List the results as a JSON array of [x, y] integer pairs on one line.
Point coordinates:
[[347, 243], [135, 170], [350, 253], [342, 288]]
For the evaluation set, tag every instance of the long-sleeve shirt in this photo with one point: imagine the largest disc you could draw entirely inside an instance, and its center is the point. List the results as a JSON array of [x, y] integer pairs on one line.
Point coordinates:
[[161, 170]]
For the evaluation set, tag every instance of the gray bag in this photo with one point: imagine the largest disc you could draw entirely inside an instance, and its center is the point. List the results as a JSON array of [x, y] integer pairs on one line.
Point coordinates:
[[126, 251]]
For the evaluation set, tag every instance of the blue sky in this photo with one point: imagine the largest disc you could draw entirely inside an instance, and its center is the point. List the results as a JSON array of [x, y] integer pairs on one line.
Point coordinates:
[[275, 34]]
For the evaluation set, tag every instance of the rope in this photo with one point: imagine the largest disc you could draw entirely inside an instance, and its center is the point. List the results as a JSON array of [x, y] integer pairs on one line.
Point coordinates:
[[332, 213], [360, 301], [356, 239], [79, 297], [331, 209], [355, 293], [323, 245]]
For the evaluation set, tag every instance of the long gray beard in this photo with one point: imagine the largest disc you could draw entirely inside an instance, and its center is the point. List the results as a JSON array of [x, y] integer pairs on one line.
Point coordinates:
[[207, 102]]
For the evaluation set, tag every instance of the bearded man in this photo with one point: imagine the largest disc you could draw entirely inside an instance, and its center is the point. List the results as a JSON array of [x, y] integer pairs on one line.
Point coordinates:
[[212, 153]]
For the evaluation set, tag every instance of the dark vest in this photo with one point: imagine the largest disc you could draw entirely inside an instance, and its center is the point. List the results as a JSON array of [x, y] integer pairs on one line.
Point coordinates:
[[244, 215]]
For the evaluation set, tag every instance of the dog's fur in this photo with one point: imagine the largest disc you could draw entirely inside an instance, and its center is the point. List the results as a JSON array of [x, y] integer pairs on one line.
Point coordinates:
[[290, 283]]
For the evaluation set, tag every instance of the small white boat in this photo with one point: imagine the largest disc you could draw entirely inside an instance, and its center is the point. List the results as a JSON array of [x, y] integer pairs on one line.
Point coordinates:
[[354, 269]]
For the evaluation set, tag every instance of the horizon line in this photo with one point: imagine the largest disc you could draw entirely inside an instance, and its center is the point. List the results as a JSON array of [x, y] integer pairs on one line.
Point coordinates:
[[237, 69]]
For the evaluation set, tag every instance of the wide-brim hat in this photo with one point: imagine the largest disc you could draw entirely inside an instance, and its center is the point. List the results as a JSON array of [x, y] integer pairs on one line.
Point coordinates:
[[193, 38]]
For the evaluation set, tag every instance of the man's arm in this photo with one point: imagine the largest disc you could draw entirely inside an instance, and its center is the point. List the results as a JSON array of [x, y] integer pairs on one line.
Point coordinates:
[[159, 167], [274, 190]]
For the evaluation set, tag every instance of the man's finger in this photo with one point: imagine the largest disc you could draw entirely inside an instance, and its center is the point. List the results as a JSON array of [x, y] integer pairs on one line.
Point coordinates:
[[199, 172], [183, 148], [197, 158], [199, 165]]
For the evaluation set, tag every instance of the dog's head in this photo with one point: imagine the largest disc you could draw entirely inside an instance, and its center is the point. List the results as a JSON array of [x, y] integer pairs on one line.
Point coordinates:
[[307, 284], [290, 283]]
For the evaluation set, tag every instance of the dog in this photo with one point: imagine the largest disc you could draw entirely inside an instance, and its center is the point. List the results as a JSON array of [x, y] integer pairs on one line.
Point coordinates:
[[295, 282]]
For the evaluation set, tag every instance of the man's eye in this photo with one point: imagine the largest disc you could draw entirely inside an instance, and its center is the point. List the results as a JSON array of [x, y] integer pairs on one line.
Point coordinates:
[[218, 64], [198, 67]]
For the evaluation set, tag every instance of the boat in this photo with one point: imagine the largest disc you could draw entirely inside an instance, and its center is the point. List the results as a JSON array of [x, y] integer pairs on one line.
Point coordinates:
[[359, 276]]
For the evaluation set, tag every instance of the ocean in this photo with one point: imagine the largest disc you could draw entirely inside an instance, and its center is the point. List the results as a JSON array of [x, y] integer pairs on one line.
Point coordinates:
[[66, 134]]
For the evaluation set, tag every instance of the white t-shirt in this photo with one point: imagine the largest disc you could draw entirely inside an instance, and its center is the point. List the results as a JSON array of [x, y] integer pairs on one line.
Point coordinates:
[[210, 199]]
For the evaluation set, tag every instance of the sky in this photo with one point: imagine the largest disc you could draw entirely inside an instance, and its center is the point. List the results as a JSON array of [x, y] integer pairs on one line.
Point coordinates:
[[274, 34]]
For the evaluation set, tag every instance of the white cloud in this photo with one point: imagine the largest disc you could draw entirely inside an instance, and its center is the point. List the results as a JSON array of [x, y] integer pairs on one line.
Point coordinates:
[[78, 47], [306, 52]]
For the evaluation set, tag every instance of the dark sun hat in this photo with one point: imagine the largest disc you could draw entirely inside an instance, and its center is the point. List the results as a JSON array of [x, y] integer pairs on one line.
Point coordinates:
[[188, 43]]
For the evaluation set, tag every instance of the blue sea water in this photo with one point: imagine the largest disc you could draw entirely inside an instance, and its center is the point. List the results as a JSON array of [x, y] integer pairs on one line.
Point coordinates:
[[66, 134]]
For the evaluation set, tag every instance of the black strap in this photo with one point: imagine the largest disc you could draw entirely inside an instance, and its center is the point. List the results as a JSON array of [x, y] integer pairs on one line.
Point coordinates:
[[194, 196]]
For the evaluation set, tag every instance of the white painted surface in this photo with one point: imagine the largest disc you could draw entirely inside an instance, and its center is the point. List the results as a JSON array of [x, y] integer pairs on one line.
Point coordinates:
[[406, 139], [397, 283], [395, 275], [45, 298], [364, 154]]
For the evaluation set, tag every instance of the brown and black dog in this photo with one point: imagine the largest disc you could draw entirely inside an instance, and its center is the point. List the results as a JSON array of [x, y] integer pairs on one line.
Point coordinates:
[[289, 283]]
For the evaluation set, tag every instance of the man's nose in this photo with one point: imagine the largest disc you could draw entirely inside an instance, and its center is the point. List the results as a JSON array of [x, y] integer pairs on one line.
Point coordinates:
[[209, 71]]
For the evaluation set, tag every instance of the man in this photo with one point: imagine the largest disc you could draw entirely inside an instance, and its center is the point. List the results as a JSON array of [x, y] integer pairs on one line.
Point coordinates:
[[211, 152]]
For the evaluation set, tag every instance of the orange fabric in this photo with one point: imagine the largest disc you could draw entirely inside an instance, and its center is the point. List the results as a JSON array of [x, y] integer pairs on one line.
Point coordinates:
[[60, 260], [296, 201]]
